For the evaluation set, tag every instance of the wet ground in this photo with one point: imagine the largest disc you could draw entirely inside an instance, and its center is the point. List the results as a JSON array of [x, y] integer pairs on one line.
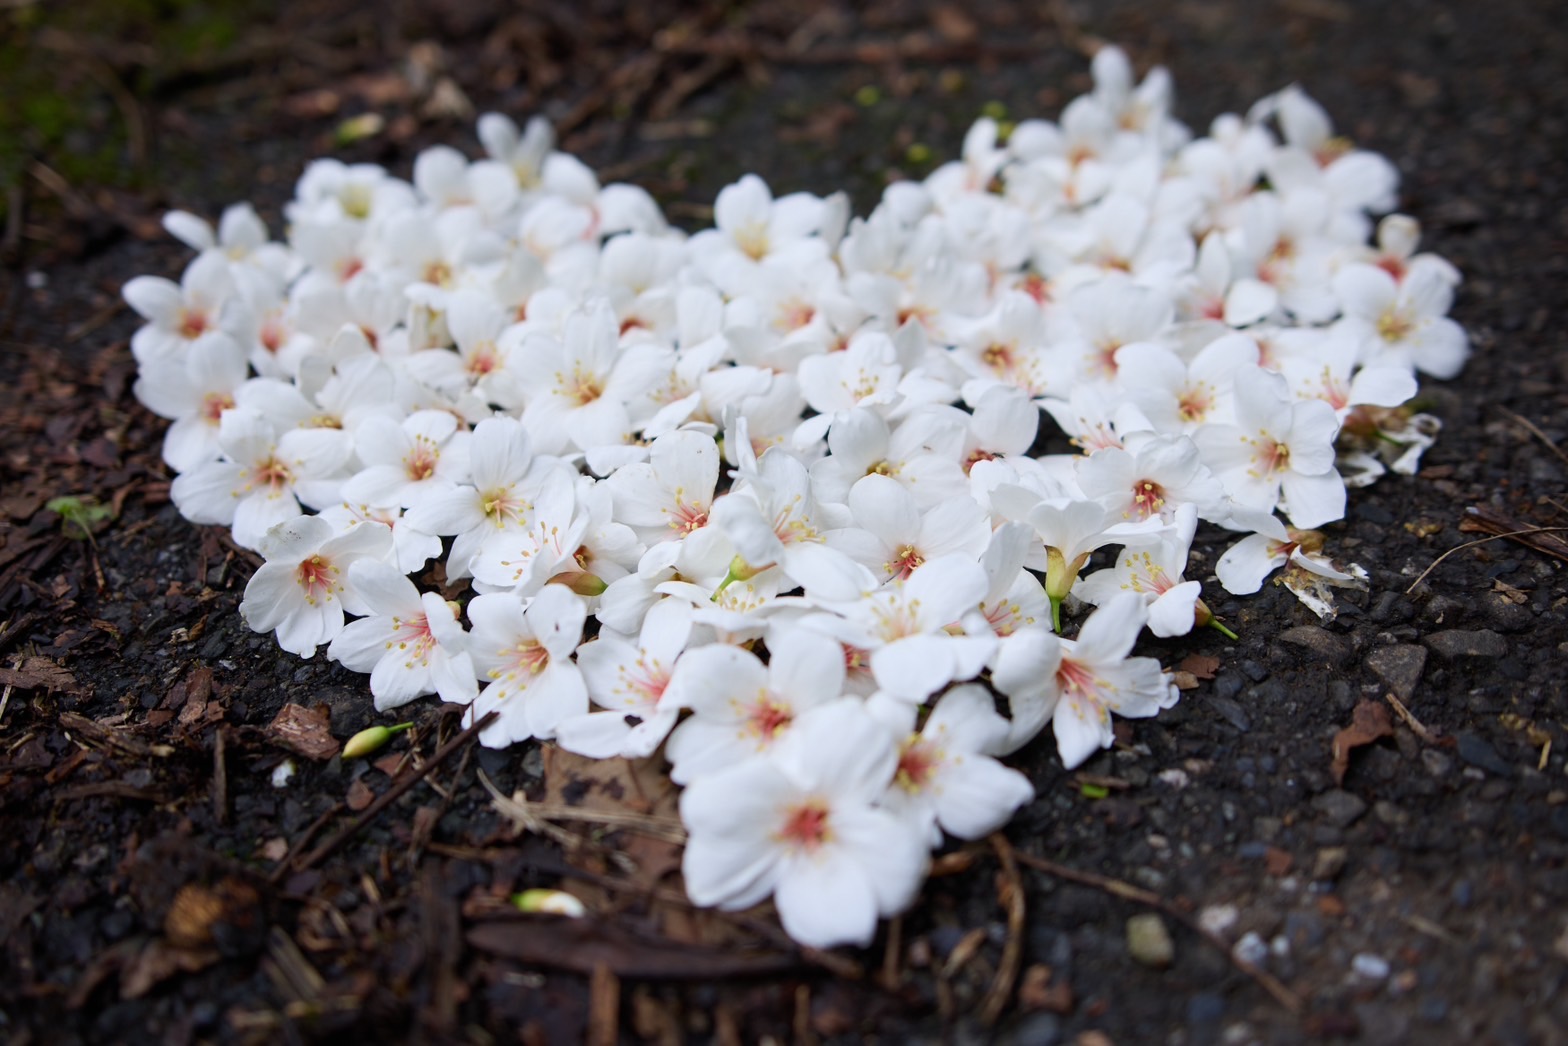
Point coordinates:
[[156, 886]]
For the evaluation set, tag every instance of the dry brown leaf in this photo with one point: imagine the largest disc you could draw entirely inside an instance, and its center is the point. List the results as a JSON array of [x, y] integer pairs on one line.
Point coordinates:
[[639, 786], [1368, 723], [305, 731], [159, 961], [1202, 666]]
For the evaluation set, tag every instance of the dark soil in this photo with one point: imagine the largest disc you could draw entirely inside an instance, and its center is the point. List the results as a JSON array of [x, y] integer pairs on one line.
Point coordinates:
[[156, 887]]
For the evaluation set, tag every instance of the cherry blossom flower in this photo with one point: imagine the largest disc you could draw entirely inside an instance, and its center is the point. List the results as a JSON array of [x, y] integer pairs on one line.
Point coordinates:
[[741, 707], [801, 826], [631, 679], [947, 779], [1278, 446], [524, 656], [302, 590], [412, 644]]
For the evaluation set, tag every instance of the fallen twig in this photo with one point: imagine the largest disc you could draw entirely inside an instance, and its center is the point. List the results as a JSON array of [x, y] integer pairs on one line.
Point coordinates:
[[1482, 541], [1416, 726], [1012, 890], [390, 796], [1537, 433], [1265, 980]]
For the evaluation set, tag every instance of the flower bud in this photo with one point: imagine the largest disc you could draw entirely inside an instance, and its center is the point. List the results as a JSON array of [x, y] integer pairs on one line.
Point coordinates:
[[581, 582], [549, 902], [371, 740]]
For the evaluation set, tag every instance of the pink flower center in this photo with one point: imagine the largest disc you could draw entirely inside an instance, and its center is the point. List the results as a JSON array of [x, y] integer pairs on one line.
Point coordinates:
[[193, 323], [1078, 681], [414, 636], [917, 762], [318, 577], [806, 826], [687, 518], [1148, 499], [272, 474], [530, 656], [768, 716], [214, 404], [904, 562], [420, 462]]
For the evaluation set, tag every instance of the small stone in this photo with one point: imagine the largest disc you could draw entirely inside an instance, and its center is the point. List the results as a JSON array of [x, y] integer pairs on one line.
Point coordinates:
[[1232, 712], [1399, 667], [1372, 967], [1455, 642], [1438, 764], [1205, 1008], [1390, 814], [1149, 942], [1218, 919], [1334, 650], [1560, 946], [1478, 752], [1339, 807], [1329, 863], [1251, 949]]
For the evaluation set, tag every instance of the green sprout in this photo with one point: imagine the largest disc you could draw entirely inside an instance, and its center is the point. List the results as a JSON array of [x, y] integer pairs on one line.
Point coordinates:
[[79, 515]]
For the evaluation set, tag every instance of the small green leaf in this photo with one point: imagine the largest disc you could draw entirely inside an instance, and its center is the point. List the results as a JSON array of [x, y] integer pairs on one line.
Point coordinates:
[[1093, 791]]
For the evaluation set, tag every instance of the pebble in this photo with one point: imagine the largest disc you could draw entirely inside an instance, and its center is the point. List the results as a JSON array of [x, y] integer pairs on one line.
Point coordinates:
[[1477, 751], [1438, 764], [1331, 648], [1233, 713], [1399, 667], [1456, 642], [1040, 1029], [1149, 942], [1339, 807], [1218, 919], [1251, 948], [1329, 863], [1205, 1008], [1372, 967], [1390, 814]]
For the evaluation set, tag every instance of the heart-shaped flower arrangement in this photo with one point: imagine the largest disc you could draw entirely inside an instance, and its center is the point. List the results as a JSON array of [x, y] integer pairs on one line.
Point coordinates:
[[763, 495]]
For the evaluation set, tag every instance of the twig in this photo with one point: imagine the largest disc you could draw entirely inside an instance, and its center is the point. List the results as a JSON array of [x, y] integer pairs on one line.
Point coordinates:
[[391, 795], [1265, 980], [604, 1007], [1013, 950], [1416, 726], [303, 841], [1527, 423], [531, 814], [1480, 541], [220, 779], [892, 953]]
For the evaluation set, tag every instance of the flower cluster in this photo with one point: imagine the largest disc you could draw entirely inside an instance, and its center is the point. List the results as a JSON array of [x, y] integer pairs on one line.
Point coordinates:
[[763, 495]]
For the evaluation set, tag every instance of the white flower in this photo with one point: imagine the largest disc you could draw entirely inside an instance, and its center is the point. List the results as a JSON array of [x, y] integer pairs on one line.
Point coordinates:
[[802, 826], [1246, 563], [424, 456], [1279, 445], [411, 645], [302, 590], [525, 656], [946, 777], [1091, 677], [1403, 322], [262, 477], [742, 708], [629, 679], [1153, 569]]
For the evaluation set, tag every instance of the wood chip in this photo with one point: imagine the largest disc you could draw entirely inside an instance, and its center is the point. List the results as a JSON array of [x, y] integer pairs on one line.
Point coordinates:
[[304, 731]]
